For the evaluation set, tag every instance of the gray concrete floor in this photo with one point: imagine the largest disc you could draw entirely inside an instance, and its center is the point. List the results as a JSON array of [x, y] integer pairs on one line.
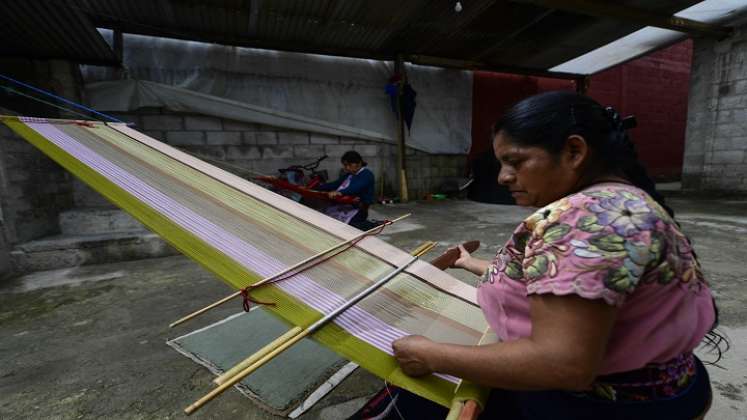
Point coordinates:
[[89, 342]]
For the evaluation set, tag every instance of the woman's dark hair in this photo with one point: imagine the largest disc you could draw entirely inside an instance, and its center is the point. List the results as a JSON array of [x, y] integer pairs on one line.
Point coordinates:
[[546, 120], [351, 156]]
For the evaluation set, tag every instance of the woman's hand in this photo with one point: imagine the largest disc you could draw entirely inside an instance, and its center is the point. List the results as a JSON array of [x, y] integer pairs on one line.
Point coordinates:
[[333, 194], [412, 354], [464, 258]]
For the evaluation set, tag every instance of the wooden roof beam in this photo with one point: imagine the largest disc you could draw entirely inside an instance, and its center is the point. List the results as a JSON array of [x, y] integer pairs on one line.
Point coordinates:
[[634, 15], [483, 66]]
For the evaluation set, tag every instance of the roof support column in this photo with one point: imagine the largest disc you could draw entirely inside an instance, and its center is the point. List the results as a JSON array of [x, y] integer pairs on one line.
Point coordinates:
[[399, 69]]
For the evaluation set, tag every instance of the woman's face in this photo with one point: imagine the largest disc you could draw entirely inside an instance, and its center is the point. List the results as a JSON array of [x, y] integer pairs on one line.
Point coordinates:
[[534, 177], [351, 167]]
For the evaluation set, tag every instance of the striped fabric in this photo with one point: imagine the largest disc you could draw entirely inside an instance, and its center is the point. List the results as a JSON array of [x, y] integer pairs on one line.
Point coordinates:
[[243, 233]]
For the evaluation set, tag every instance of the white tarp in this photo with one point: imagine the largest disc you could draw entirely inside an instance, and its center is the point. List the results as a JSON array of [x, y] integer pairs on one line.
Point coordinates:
[[127, 95], [328, 91]]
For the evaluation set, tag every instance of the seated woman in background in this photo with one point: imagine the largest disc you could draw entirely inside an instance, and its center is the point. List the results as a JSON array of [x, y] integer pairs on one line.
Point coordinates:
[[598, 297], [357, 181]]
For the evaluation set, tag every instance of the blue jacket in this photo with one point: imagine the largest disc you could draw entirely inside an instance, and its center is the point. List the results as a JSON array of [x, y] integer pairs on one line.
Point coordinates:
[[361, 185]]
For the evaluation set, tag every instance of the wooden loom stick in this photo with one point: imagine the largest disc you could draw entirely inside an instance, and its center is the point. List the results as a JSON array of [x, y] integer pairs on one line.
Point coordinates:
[[469, 409], [309, 330], [463, 410], [220, 380], [284, 271]]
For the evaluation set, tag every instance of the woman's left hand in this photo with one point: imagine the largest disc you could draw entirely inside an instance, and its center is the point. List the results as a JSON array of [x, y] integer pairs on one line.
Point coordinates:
[[412, 354]]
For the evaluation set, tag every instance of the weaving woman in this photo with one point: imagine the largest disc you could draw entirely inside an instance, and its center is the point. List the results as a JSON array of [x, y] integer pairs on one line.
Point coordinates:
[[598, 297], [358, 181]]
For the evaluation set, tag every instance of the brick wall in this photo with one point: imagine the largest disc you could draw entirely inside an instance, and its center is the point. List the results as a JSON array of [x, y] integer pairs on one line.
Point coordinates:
[[716, 145], [238, 146], [654, 88]]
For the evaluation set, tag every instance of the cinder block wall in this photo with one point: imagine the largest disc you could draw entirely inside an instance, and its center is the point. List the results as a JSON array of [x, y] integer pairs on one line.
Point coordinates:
[[266, 149], [33, 189], [716, 139]]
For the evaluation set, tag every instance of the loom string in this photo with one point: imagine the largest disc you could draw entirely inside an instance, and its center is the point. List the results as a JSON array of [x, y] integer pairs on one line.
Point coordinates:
[[34, 98], [65, 100], [247, 300], [393, 399]]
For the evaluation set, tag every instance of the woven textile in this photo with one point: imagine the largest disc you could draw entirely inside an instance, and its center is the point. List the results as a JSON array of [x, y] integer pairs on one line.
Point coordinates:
[[243, 233]]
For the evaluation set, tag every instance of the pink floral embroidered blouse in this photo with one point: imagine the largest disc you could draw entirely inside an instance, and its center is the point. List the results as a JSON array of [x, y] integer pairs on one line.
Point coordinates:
[[611, 242]]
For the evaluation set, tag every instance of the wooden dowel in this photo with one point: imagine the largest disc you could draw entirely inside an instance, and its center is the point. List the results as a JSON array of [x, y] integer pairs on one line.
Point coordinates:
[[205, 309], [256, 356], [463, 410], [423, 248], [470, 410], [455, 410], [285, 271]]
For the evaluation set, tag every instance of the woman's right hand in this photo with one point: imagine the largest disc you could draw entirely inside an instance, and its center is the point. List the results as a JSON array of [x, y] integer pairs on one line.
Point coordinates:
[[463, 260]]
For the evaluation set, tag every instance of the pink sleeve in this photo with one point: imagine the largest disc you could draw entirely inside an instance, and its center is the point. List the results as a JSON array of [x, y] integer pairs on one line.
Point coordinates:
[[591, 248]]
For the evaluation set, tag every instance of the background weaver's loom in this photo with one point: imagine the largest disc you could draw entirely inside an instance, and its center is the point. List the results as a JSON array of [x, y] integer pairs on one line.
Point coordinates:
[[243, 233]]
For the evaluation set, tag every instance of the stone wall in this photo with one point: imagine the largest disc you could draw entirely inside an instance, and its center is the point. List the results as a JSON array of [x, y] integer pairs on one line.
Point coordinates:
[[241, 147], [33, 189], [716, 140]]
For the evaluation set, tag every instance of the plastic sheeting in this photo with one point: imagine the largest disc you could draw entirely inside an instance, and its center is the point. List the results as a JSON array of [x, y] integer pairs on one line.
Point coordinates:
[[127, 95], [332, 90]]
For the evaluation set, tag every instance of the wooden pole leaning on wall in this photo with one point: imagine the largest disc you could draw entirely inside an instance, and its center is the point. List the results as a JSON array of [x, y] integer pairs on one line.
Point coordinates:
[[227, 375], [299, 336], [399, 69], [285, 271]]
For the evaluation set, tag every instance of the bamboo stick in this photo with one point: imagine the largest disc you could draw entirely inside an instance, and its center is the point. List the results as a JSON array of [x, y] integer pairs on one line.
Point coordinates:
[[256, 356], [311, 329], [285, 271], [463, 410], [419, 251], [455, 410]]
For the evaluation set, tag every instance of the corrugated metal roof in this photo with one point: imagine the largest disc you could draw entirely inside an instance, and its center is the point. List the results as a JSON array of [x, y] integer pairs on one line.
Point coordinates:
[[524, 35], [44, 29]]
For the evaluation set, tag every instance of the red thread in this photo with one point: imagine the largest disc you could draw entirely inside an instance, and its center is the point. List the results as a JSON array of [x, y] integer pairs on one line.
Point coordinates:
[[248, 300]]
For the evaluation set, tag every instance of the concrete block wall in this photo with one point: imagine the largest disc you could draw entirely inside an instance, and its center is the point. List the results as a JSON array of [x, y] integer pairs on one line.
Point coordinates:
[[33, 189], [716, 140], [265, 149]]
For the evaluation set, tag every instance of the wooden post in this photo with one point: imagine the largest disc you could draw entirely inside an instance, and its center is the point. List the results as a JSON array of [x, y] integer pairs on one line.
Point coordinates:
[[582, 84], [399, 68], [118, 48]]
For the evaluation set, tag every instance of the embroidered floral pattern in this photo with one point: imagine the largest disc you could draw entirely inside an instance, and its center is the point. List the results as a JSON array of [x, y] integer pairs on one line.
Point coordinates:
[[610, 236]]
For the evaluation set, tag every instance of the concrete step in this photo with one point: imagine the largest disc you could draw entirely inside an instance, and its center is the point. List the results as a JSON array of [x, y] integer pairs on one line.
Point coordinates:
[[95, 221], [66, 250]]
